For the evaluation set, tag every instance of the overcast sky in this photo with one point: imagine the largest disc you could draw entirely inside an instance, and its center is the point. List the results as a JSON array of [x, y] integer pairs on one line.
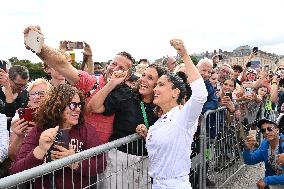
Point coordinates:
[[144, 28]]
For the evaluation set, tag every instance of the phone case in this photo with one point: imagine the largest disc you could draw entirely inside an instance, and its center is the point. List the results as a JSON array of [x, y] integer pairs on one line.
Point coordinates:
[[26, 113], [34, 40]]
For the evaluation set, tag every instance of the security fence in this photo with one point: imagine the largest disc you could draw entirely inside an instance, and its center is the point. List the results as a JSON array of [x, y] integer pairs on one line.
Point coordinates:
[[216, 156]]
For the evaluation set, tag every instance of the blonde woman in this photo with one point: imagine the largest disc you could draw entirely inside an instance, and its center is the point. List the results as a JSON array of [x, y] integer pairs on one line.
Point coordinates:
[[38, 91]]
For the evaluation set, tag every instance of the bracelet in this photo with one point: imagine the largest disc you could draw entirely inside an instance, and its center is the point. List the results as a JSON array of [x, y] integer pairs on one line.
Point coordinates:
[[274, 83]]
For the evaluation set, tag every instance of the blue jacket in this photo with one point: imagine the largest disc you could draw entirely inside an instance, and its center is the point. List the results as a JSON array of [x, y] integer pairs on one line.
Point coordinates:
[[261, 155], [210, 104], [212, 99]]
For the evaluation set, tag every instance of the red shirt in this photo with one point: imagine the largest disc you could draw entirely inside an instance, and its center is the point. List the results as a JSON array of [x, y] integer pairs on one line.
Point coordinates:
[[103, 124]]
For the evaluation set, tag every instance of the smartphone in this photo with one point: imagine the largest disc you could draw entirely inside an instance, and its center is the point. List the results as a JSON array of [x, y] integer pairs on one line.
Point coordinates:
[[229, 95], [255, 50], [34, 40], [248, 65], [26, 114], [62, 138], [220, 57], [248, 91], [3, 65], [252, 133], [74, 45]]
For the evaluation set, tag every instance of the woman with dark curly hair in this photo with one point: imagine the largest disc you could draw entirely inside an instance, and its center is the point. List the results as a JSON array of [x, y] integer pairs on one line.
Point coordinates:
[[60, 132]]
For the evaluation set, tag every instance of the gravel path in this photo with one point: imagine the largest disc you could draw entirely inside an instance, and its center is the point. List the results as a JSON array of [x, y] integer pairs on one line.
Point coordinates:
[[246, 177]]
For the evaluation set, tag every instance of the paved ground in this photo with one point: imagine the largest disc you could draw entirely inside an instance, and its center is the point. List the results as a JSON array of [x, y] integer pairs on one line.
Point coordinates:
[[246, 177]]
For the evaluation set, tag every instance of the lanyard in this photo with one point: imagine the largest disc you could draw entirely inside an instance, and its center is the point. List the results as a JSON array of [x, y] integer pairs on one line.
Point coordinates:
[[144, 114]]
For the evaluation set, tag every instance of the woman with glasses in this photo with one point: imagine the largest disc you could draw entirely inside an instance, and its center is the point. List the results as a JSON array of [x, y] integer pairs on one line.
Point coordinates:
[[267, 152], [60, 132], [21, 125]]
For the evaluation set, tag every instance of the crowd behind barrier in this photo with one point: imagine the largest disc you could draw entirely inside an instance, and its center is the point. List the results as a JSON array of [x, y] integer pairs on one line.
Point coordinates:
[[222, 156], [199, 124]]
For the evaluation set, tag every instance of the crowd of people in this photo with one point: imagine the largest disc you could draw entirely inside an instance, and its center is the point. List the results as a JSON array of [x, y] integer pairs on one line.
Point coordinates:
[[79, 109]]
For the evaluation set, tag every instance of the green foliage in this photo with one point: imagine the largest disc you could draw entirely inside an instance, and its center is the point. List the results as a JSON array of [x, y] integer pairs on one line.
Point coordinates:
[[35, 69], [194, 60]]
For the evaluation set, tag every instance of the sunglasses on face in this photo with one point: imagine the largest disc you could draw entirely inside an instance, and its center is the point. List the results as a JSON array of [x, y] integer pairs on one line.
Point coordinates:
[[37, 93], [269, 129], [74, 105]]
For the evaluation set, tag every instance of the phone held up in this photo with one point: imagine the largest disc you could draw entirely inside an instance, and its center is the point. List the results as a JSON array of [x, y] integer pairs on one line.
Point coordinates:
[[34, 40], [3, 65], [26, 114], [70, 45], [255, 50], [229, 95]]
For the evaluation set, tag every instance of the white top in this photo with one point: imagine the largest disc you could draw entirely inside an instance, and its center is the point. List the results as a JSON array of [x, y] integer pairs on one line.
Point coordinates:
[[169, 140], [4, 138]]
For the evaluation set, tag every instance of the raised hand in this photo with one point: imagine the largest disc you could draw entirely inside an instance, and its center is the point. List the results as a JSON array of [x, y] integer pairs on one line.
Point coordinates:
[[26, 31], [250, 142], [4, 78], [87, 50], [179, 46], [118, 77]]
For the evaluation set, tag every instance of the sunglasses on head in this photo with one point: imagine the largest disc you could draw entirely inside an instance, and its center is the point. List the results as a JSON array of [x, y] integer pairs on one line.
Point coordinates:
[[74, 105], [269, 129]]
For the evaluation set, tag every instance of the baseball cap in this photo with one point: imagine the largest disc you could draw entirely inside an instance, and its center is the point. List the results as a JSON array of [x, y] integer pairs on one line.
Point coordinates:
[[265, 120]]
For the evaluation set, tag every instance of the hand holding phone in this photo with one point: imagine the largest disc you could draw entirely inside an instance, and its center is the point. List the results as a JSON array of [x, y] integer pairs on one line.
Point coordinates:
[[34, 41], [252, 133], [26, 114]]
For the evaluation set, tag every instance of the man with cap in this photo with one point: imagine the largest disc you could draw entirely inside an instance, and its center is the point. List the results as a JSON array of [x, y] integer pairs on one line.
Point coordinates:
[[267, 152]]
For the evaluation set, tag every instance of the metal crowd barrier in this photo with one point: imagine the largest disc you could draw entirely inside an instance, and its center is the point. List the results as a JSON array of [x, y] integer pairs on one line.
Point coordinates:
[[221, 141], [218, 158]]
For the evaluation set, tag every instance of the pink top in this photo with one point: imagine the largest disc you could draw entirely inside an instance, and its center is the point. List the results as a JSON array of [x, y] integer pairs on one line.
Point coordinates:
[[103, 124]]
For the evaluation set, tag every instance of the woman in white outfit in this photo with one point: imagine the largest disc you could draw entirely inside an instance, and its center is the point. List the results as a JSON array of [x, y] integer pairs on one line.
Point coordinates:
[[169, 140]]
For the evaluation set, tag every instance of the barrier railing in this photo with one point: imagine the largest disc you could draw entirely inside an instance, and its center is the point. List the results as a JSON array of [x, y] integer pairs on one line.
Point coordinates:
[[221, 141], [219, 157]]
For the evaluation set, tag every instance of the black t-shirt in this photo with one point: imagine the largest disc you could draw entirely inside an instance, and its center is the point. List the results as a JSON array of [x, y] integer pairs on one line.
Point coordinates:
[[21, 101], [125, 104]]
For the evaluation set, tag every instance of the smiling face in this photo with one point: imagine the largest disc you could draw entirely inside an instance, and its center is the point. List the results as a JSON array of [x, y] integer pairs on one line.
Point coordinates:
[[37, 94], [148, 81], [72, 112], [228, 86], [214, 79], [119, 63], [270, 131], [262, 91], [164, 94]]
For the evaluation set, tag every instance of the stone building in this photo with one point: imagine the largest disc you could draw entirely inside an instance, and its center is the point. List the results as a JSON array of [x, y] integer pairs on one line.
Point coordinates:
[[240, 56]]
